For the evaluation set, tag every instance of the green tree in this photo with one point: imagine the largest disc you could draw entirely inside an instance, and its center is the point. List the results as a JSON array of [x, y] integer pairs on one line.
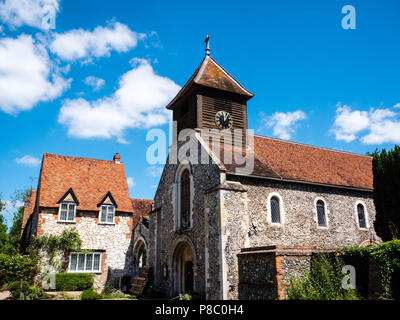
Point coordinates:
[[4, 239], [386, 170]]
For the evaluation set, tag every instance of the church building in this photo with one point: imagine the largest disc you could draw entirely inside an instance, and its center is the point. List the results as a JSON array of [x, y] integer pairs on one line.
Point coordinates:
[[207, 215]]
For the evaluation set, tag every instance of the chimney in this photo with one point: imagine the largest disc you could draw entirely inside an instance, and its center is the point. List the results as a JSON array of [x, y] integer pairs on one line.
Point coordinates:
[[117, 158]]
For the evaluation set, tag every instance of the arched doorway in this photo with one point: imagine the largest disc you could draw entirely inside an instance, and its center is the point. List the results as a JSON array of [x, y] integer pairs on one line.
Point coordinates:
[[140, 256], [183, 269]]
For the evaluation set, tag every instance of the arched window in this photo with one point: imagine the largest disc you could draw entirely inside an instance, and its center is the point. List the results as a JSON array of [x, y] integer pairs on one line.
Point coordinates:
[[185, 199], [275, 210], [361, 216], [321, 216]]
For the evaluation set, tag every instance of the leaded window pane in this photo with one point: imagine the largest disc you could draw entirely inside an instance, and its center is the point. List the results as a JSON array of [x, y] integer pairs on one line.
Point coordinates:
[[110, 214], [361, 216], [96, 262], [81, 262], [74, 259], [321, 213], [185, 199], [275, 210], [63, 211], [71, 212], [103, 215], [89, 262]]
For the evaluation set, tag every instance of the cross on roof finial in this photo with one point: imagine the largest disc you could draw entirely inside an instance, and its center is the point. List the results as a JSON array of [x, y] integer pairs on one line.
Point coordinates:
[[207, 41]]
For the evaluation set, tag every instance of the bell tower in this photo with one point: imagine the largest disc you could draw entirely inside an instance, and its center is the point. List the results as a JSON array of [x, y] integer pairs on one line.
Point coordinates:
[[211, 99]]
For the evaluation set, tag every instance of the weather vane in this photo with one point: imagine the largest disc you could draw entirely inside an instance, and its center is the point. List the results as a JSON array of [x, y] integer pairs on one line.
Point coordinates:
[[207, 41]]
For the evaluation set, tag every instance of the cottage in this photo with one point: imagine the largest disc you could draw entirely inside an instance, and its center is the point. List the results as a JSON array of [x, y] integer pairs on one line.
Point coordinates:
[[92, 196]]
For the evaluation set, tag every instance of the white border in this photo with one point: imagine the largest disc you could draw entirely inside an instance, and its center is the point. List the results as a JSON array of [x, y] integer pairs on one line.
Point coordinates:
[[105, 222], [84, 271], [316, 213], [365, 215], [59, 212], [281, 209]]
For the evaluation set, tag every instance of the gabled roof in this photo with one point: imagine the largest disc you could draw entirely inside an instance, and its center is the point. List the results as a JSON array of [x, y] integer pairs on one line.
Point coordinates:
[[28, 209], [69, 196], [211, 74], [90, 180], [141, 208], [285, 160]]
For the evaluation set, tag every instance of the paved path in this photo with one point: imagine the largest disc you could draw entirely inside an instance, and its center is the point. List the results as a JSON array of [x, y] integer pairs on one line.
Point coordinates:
[[4, 295]]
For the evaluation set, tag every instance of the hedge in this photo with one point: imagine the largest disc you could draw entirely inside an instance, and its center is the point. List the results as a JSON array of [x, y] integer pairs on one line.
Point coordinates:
[[15, 268], [359, 258], [90, 294], [387, 258], [73, 281]]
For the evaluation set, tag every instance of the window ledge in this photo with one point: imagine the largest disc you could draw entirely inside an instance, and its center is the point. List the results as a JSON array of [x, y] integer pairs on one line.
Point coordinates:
[[107, 223], [67, 222]]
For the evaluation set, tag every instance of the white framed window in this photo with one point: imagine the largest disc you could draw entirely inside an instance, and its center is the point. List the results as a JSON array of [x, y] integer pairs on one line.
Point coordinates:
[[67, 212], [361, 215], [107, 214], [275, 210], [85, 262], [321, 213]]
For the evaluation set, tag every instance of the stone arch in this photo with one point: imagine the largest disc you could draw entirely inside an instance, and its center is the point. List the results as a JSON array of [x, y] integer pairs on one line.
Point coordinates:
[[183, 266], [139, 258]]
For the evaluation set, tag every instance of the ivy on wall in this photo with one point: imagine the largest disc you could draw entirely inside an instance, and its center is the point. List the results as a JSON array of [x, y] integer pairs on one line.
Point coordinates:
[[387, 258], [68, 241]]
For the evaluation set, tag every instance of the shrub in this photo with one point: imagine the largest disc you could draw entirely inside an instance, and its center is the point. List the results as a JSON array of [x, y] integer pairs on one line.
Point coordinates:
[[73, 281], [90, 294], [15, 289], [322, 282], [359, 258], [30, 292], [36, 293], [387, 257], [18, 267]]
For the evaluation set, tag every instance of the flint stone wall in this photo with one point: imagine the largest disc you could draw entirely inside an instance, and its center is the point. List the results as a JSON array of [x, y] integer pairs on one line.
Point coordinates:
[[264, 272], [163, 237]]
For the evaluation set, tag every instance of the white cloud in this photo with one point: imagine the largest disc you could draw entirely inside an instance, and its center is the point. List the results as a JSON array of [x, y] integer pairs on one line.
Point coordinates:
[[348, 123], [139, 101], [82, 44], [155, 171], [28, 161], [27, 76], [17, 13], [96, 83], [130, 181], [397, 105], [283, 124], [375, 126]]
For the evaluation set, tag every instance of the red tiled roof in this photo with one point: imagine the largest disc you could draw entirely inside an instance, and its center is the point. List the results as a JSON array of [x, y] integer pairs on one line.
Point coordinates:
[[141, 208], [287, 160], [90, 180], [211, 74], [28, 209]]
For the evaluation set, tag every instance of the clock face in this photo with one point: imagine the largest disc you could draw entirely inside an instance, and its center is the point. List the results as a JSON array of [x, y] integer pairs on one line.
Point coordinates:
[[223, 120]]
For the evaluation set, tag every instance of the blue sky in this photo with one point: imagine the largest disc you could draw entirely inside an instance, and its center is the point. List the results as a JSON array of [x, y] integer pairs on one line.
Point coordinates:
[[99, 81]]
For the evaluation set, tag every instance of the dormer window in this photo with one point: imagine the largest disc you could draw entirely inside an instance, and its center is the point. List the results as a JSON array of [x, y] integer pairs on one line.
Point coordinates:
[[67, 212], [68, 204], [107, 209], [107, 214]]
